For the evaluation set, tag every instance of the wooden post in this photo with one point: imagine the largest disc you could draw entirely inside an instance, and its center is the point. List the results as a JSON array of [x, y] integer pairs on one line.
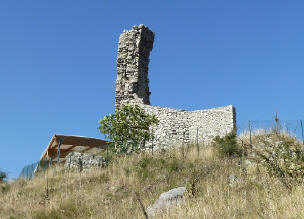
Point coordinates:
[[141, 205]]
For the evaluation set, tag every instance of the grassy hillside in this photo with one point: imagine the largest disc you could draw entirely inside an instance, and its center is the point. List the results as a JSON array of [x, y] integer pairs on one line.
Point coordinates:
[[109, 192]]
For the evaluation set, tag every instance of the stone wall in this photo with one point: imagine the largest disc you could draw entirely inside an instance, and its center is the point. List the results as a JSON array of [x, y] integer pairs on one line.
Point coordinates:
[[177, 127], [83, 161], [132, 87]]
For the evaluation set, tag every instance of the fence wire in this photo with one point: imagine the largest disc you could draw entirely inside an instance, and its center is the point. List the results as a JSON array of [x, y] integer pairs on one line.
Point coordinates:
[[292, 127], [29, 171]]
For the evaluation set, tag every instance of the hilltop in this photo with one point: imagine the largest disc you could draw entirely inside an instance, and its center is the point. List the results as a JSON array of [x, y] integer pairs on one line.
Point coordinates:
[[218, 186]]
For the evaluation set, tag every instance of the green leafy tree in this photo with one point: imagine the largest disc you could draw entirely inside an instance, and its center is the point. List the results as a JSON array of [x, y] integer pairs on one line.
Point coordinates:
[[127, 129]]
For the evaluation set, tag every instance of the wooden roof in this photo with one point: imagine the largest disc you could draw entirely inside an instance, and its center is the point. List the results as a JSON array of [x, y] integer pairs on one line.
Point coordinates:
[[69, 143]]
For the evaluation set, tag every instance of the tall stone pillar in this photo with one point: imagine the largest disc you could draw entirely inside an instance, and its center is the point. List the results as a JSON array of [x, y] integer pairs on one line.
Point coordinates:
[[132, 83]]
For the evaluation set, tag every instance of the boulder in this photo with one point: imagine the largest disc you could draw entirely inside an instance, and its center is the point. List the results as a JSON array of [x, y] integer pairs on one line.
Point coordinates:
[[166, 201]]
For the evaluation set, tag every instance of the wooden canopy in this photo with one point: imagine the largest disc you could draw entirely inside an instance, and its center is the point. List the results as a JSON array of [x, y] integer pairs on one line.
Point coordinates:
[[69, 143]]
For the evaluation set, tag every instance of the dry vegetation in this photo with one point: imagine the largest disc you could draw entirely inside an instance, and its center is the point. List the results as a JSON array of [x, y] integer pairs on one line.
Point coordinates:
[[109, 193]]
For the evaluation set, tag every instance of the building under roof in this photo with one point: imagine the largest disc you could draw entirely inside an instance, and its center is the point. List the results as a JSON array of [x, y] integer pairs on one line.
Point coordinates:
[[61, 145]]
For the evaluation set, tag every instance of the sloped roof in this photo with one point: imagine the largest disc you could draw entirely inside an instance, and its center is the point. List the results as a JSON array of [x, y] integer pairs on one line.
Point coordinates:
[[69, 143]]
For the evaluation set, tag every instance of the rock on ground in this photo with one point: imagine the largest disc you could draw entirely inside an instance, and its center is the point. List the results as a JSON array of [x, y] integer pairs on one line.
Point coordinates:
[[167, 200]]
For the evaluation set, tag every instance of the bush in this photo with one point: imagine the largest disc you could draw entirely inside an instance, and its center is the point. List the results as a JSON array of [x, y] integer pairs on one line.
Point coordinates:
[[128, 128], [4, 187], [3, 176], [283, 157], [170, 169], [227, 146]]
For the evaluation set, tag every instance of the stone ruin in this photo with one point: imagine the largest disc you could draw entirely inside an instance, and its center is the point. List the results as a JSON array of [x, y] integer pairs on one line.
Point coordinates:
[[132, 84], [175, 126], [83, 161]]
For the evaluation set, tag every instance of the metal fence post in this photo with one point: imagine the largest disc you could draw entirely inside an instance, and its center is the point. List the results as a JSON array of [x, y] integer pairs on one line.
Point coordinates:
[[183, 146], [198, 149], [302, 131], [47, 181], [250, 140], [58, 151], [107, 155], [152, 140], [276, 119]]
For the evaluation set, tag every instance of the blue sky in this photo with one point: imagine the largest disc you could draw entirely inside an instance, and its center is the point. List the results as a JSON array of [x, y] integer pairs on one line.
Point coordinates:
[[58, 63]]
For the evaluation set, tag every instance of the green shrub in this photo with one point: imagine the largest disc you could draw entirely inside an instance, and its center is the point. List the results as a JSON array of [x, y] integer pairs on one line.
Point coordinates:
[[143, 168], [3, 176], [4, 187], [127, 129], [227, 146], [171, 169], [283, 157]]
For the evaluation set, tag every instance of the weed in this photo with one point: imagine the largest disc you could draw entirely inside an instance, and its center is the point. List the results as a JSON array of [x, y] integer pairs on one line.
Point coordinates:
[[5, 187], [283, 156], [227, 145], [67, 209]]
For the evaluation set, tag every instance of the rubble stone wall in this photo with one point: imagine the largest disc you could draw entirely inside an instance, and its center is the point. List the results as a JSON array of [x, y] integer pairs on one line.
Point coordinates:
[[83, 161], [132, 87], [177, 127]]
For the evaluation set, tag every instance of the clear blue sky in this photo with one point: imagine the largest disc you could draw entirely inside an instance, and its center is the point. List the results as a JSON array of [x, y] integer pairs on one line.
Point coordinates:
[[58, 63]]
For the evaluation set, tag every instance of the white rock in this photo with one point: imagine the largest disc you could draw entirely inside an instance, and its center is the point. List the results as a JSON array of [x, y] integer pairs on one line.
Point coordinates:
[[232, 179], [166, 200]]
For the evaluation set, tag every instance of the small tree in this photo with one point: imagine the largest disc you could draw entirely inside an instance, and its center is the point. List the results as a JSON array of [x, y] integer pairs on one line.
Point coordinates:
[[127, 129], [3, 176], [227, 145]]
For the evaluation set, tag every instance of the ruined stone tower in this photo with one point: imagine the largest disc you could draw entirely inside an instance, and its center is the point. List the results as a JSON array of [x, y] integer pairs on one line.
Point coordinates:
[[132, 83], [176, 127]]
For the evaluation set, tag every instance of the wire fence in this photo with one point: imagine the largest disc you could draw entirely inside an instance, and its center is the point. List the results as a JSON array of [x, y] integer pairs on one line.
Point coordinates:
[[29, 171], [292, 127]]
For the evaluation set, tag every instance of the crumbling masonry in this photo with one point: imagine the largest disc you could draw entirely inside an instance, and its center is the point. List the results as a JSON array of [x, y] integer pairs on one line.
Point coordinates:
[[132, 84], [175, 126]]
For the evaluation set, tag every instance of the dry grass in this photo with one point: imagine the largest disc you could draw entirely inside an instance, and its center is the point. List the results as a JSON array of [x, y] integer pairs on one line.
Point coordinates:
[[109, 192]]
